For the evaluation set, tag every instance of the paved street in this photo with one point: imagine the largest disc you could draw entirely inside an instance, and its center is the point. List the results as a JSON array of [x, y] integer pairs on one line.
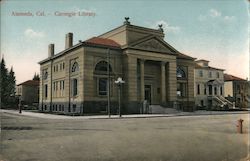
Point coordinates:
[[180, 138]]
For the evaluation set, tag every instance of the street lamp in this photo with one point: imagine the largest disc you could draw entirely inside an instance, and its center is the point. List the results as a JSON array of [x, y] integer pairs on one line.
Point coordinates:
[[119, 82], [19, 103]]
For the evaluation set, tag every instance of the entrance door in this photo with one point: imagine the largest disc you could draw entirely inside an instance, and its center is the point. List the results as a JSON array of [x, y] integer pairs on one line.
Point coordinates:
[[148, 93]]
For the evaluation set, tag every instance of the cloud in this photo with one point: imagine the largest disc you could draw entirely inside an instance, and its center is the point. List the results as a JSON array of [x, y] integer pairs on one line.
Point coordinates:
[[215, 14], [166, 27], [33, 34]]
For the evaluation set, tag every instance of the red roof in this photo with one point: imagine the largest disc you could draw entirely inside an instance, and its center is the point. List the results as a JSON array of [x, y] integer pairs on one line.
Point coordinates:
[[103, 41], [228, 77], [30, 83]]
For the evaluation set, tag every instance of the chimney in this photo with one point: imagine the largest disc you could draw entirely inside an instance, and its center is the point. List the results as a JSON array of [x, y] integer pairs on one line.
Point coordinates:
[[51, 50], [69, 40]]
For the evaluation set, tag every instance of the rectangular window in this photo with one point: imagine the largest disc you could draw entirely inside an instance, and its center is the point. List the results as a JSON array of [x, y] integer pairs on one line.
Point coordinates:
[[46, 90], [198, 89], [63, 84], [74, 108], [205, 90], [181, 89], [215, 91], [102, 86], [54, 85], [210, 74], [60, 85], [74, 87], [201, 73], [218, 75], [210, 89], [63, 66], [221, 91]]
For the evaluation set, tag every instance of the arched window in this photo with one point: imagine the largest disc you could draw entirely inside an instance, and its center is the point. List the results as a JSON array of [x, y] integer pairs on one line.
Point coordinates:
[[180, 73], [75, 67], [102, 67]]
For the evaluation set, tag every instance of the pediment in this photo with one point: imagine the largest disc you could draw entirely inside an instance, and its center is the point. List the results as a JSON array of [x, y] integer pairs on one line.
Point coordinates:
[[153, 44]]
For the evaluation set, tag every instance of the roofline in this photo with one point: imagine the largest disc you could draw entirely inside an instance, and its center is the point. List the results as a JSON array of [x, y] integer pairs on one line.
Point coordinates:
[[174, 54], [209, 67], [202, 60], [81, 44], [27, 81], [135, 26]]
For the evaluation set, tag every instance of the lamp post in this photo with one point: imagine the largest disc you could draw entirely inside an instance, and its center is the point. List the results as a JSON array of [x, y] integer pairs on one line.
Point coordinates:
[[119, 82], [19, 104]]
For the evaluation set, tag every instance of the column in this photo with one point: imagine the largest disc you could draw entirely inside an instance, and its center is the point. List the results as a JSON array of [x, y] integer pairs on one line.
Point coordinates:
[[163, 82], [142, 79], [172, 82]]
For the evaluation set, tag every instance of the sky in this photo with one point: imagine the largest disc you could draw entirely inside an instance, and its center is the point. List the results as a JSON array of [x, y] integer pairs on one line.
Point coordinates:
[[215, 30]]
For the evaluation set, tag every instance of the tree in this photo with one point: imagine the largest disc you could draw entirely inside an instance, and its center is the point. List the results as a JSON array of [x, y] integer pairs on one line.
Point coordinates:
[[3, 82], [12, 82], [7, 84], [36, 77]]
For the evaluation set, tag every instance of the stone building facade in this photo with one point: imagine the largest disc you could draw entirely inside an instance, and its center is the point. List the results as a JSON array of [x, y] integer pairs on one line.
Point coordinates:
[[209, 86], [75, 80], [236, 90]]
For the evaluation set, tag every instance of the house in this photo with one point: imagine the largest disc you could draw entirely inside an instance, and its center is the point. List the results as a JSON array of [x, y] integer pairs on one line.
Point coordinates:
[[28, 91], [209, 86], [236, 90], [80, 78]]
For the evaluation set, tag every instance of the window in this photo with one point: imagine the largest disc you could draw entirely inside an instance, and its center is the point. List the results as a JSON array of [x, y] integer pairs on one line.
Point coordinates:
[[102, 66], [218, 75], [45, 107], [45, 74], [63, 66], [205, 90], [221, 91], [181, 89], [215, 90], [198, 89], [62, 107], [180, 73], [46, 90], [56, 67], [102, 86], [74, 108], [210, 89], [63, 84], [210, 74], [201, 73], [54, 85], [74, 87], [75, 67], [202, 103]]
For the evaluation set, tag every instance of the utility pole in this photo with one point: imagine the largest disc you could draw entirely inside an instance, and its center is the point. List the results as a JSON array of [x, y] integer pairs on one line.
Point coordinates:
[[108, 81]]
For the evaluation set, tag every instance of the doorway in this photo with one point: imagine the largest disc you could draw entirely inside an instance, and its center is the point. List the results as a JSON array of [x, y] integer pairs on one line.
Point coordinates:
[[148, 93]]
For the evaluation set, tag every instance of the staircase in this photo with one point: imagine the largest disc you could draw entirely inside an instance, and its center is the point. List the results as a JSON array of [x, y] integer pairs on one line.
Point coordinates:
[[230, 104], [223, 102], [158, 109]]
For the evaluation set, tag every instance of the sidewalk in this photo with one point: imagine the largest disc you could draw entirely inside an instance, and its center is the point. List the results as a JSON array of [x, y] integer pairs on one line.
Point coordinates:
[[180, 113]]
